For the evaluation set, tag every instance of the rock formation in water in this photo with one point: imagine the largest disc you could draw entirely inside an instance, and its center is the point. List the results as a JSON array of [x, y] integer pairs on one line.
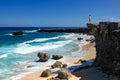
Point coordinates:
[[43, 57], [107, 36], [66, 30], [18, 33], [57, 57]]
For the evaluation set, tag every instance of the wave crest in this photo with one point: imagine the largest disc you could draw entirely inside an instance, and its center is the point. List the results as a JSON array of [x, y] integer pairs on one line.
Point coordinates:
[[27, 48], [31, 31], [3, 56]]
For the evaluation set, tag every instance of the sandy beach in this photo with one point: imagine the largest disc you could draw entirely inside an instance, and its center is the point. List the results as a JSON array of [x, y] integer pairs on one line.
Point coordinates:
[[36, 75], [59, 40], [85, 74], [91, 73]]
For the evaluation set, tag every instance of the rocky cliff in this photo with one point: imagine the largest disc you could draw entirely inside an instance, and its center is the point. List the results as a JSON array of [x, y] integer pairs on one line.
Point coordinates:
[[107, 36]]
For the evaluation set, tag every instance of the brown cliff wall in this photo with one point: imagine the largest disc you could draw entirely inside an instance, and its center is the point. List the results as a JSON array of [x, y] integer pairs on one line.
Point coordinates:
[[107, 36]]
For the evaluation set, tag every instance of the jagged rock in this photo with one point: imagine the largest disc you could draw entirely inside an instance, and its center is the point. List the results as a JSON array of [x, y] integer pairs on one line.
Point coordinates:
[[46, 73], [107, 35], [79, 38], [64, 74], [57, 57], [64, 66], [87, 40], [57, 64], [43, 57], [80, 61], [18, 33], [116, 37]]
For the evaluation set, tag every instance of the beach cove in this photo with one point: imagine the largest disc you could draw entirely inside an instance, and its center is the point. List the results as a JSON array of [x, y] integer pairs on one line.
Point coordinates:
[[22, 50], [89, 53], [98, 69]]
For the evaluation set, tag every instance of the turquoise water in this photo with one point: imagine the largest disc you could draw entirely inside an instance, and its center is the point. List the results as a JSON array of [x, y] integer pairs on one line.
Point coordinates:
[[17, 52]]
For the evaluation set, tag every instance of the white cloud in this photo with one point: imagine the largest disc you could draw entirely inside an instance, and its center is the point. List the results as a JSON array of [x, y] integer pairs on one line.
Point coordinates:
[[113, 19]]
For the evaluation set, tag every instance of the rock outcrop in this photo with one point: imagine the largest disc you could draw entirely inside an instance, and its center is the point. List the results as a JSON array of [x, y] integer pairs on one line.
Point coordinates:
[[66, 30], [107, 36], [18, 33], [46, 73], [57, 64], [80, 61], [43, 57], [79, 38], [64, 74], [57, 57], [64, 66]]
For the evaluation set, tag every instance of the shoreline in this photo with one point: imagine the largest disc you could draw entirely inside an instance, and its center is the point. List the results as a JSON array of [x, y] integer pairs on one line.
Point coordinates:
[[70, 62]]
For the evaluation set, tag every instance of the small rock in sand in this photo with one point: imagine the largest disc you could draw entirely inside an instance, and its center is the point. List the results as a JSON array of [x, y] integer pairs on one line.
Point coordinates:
[[57, 57], [80, 61], [64, 74], [57, 64], [46, 73]]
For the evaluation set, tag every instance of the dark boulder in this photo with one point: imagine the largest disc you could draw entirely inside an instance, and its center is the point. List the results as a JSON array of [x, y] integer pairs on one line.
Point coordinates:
[[46, 73], [43, 57], [80, 61], [57, 57], [79, 38], [18, 33], [87, 40], [64, 74], [57, 64], [64, 66]]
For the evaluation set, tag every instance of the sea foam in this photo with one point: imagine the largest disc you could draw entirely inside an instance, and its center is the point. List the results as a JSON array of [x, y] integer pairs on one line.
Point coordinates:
[[31, 31], [3, 56], [27, 48], [45, 39]]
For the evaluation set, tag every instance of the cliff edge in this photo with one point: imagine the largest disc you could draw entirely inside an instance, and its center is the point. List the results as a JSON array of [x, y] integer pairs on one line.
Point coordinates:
[[107, 36]]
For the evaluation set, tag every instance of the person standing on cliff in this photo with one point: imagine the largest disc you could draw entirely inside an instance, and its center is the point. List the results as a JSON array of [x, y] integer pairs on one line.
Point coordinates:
[[89, 18]]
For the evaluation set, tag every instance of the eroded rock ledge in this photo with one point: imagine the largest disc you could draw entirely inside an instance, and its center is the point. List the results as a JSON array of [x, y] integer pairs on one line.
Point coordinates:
[[107, 36], [66, 30]]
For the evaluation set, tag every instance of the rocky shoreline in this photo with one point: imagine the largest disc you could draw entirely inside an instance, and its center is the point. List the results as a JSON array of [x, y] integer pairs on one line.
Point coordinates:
[[107, 36], [62, 69], [66, 30], [107, 58]]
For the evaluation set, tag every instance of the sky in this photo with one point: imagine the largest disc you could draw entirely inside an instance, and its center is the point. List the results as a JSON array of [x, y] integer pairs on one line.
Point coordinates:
[[57, 13]]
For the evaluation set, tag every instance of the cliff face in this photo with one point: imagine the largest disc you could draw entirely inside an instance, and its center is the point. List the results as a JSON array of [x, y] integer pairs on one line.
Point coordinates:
[[107, 36]]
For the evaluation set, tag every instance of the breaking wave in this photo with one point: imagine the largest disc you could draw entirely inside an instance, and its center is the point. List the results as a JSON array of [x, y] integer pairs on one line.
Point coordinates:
[[27, 48]]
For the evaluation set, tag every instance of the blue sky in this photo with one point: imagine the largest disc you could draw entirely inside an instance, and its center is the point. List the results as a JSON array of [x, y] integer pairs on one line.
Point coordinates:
[[66, 13]]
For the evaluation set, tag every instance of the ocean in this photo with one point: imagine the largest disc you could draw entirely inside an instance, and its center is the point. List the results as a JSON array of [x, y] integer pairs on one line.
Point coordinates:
[[18, 52]]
